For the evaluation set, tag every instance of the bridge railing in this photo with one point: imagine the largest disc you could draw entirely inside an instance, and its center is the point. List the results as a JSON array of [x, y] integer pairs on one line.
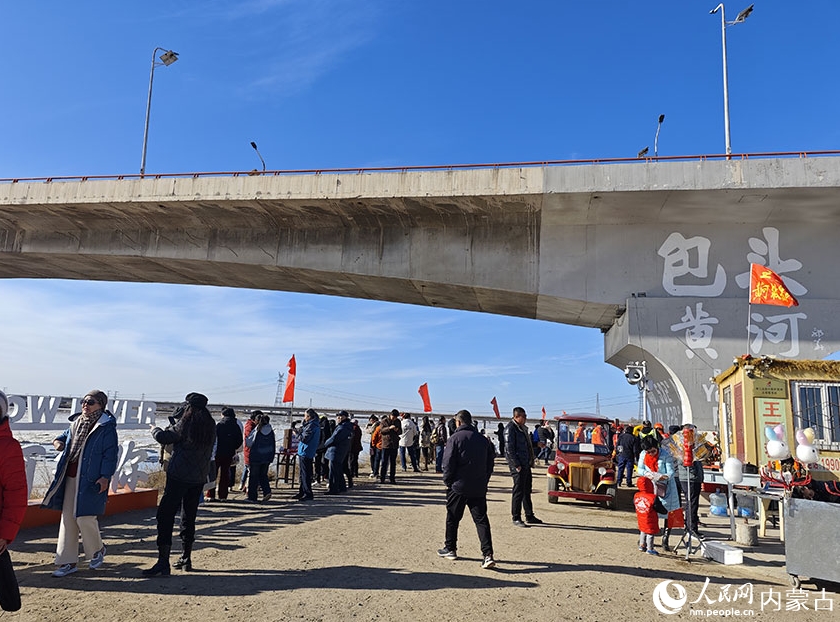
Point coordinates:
[[431, 167]]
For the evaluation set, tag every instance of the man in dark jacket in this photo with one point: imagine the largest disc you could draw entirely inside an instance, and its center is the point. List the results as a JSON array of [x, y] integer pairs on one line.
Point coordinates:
[[228, 440], [626, 449], [467, 467], [337, 448], [520, 456]]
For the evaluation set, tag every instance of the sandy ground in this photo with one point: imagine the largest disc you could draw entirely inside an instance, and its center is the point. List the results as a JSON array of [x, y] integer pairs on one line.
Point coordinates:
[[371, 555]]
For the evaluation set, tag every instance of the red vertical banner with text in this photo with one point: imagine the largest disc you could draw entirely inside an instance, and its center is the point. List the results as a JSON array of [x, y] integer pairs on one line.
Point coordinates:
[[289, 393], [424, 395], [496, 407]]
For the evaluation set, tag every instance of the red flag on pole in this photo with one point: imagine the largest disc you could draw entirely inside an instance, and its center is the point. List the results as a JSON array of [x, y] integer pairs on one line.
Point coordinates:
[[289, 393], [496, 407], [767, 288], [544, 415], [424, 395]]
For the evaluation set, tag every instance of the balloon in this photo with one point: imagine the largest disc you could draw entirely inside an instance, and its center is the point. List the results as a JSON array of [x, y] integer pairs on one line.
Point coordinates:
[[807, 454], [778, 450], [780, 432], [733, 470], [809, 434], [769, 433]]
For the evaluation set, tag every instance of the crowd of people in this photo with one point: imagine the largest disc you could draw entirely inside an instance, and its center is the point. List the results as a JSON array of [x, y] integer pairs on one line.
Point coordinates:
[[200, 456]]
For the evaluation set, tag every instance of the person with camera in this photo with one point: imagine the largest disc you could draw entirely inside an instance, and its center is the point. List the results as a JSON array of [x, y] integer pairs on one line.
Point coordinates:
[[191, 435]]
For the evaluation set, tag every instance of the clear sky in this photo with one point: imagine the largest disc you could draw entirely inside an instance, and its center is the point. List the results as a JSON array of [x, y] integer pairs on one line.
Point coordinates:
[[340, 83]]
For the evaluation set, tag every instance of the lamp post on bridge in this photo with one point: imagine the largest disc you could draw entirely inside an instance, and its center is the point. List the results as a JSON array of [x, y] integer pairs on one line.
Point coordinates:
[[743, 15], [167, 58]]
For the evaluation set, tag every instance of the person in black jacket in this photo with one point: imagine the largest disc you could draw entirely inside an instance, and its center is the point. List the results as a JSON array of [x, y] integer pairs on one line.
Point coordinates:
[[520, 456], [338, 446], [467, 467], [192, 436], [228, 440], [627, 447]]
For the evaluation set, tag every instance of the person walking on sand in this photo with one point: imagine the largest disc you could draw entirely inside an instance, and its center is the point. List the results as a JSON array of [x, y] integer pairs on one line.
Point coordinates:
[[520, 457], [191, 434], [80, 488], [467, 467]]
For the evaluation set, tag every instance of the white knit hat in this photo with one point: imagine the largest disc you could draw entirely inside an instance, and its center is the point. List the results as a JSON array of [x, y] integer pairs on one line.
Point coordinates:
[[4, 405]]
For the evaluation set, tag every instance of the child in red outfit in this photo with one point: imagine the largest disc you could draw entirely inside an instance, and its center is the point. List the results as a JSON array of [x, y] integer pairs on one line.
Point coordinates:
[[648, 506], [646, 515]]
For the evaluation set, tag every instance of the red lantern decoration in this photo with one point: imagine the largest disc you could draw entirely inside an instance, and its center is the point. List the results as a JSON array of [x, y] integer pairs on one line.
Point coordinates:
[[688, 446]]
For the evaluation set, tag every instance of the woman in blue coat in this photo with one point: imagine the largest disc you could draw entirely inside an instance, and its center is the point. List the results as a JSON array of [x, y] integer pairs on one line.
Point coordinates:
[[80, 489]]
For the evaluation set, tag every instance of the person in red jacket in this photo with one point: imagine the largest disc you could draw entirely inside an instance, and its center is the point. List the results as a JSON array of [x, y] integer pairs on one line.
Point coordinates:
[[14, 498], [648, 519]]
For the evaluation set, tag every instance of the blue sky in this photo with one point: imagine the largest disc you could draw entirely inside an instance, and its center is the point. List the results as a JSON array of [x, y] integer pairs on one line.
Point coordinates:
[[335, 83]]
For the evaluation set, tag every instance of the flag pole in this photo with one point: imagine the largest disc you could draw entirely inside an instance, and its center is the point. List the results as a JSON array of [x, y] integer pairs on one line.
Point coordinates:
[[749, 325]]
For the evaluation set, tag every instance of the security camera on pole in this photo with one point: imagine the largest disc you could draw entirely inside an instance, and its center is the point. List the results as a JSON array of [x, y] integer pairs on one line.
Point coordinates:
[[636, 373]]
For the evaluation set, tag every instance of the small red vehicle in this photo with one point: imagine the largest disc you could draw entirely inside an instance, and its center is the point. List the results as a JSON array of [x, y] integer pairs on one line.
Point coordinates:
[[583, 467]]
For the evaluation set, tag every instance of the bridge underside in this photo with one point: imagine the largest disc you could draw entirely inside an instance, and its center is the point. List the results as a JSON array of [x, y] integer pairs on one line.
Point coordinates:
[[653, 254]]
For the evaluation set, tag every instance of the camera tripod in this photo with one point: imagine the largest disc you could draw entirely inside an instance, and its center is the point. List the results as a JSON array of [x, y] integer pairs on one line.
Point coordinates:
[[689, 536]]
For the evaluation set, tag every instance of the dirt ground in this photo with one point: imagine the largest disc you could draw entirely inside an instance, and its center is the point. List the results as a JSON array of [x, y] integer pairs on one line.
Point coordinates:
[[371, 555]]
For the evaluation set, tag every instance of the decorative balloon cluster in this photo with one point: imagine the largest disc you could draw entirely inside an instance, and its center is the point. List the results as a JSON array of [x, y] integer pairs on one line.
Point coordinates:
[[782, 468]]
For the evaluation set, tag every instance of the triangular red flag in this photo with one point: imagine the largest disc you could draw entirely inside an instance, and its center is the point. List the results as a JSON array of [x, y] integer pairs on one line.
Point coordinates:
[[767, 288], [424, 395], [496, 407], [544, 414], [289, 393]]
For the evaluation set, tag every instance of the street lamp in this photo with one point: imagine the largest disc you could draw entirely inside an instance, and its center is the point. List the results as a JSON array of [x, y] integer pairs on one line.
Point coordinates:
[[723, 24], [167, 58], [656, 138], [254, 145]]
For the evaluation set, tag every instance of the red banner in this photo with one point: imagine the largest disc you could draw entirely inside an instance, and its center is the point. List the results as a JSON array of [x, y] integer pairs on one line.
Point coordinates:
[[767, 288], [544, 415], [496, 407], [289, 393], [424, 394]]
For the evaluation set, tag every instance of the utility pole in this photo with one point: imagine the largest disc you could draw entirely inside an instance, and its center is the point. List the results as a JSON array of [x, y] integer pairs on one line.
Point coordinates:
[[281, 385]]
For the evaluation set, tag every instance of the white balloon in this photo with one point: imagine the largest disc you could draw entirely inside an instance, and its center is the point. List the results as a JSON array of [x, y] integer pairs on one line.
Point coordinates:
[[807, 454], [733, 470]]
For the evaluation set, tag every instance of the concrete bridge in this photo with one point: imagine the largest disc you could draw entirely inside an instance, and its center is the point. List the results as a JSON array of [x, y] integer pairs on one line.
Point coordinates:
[[655, 254]]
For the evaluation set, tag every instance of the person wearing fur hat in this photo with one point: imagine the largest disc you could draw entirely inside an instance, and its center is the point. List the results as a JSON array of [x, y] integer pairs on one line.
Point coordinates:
[[192, 436], [13, 502], [80, 489]]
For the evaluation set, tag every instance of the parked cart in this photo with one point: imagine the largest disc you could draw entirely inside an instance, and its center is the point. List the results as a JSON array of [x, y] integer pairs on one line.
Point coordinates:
[[812, 546]]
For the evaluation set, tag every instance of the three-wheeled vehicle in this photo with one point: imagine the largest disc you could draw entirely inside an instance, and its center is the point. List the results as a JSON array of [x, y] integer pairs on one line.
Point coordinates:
[[583, 466]]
